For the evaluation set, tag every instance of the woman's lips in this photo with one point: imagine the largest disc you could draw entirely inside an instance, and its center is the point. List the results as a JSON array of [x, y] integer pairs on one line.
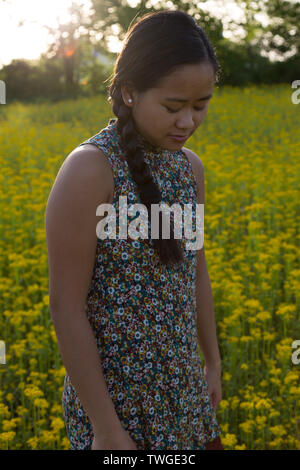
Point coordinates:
[[179, 138]]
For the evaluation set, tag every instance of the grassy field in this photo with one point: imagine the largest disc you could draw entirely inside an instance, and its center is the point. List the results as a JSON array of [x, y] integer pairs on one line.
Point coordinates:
[[250, 147]]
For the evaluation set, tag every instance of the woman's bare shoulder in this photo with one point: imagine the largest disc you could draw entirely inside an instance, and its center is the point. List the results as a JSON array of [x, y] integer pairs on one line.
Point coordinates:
[[91, 163], [89, 154]]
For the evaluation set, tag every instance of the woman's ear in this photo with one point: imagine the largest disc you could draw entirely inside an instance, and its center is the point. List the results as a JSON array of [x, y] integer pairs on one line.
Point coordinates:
[[128, 94]]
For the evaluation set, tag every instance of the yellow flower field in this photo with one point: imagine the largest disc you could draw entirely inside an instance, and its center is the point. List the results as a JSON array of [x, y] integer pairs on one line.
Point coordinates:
[[250, 147]]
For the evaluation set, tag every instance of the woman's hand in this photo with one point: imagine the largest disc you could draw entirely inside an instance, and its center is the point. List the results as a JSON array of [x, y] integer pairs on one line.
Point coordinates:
[[213, 377], [121, 440]]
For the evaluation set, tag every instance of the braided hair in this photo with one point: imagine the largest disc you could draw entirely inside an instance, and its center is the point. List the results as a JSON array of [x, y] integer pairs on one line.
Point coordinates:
[[171, 38]]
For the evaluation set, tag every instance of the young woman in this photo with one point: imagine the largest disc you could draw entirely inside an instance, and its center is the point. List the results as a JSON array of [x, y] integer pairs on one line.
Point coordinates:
[[129, 312]]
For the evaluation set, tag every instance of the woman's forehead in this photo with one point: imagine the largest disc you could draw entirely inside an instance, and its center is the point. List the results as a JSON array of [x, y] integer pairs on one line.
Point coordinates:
[[199, 76], [198, 85]]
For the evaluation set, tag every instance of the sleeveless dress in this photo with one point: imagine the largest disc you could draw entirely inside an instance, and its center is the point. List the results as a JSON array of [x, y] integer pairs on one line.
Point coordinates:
[[143, 315]]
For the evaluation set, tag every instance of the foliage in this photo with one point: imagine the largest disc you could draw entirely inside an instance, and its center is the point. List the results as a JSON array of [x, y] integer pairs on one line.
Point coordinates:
[[284, 31], [74, 65]]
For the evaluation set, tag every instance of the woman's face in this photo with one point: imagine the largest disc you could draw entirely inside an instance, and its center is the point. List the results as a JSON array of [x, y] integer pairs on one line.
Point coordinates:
[[176, 107]]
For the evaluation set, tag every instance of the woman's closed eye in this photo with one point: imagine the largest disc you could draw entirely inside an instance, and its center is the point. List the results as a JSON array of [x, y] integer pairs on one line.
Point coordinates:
[[177, 110]]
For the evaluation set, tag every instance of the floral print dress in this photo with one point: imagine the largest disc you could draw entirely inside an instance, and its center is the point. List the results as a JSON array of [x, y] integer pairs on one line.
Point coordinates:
[[143, 316]]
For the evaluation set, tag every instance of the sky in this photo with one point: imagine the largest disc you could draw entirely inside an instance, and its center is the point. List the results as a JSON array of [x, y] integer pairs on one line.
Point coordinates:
[[23, 33], [29, 40]]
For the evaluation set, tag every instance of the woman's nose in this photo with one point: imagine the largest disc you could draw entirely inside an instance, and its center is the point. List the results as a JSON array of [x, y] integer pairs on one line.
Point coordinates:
[[185, 122]]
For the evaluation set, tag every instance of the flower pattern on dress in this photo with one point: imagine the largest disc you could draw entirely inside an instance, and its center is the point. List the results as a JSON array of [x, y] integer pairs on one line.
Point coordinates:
[[143, 316]]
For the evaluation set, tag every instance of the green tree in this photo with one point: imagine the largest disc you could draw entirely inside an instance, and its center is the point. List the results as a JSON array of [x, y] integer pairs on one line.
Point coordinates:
[[69, 41], [282, 34], [284, 30], [30, 81], [114, 17]]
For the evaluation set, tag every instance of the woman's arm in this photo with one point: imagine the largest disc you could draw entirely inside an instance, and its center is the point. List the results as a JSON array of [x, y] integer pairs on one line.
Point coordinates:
[[206, 327], [83, 182]]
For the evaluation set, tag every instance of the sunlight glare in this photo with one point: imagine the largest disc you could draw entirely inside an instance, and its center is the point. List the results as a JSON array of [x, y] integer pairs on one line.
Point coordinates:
[[29, 40]]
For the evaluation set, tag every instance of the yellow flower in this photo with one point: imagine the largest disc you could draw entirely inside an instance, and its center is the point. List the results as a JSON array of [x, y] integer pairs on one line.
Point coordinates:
[[22, 411], [246, 339], [47, 437], [4, 410], [292, 441], [33, 362], [275, 381], [40, 403], [285, 310], [261, 421], [255, 333], [248, 405], [33, 442], [284, 350], [246, 426], [224, 427], [269, 336], [274, 414], [20, 346], [32, 392], [232, 339], [21, 371], [65, 443], [9, 425], [56, 408], [229, 440], [294, 391], [278, 430], [262, 403], [241, 447], [226, 376], [252, 304], [21, 385], [57, 424], [7, 436], [234, 403], [276, 443], [252, 320], [291, 377], [274, 371], [223, 405]]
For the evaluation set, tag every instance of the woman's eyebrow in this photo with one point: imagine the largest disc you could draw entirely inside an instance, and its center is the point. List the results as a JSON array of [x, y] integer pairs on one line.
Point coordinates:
[[184, 101]]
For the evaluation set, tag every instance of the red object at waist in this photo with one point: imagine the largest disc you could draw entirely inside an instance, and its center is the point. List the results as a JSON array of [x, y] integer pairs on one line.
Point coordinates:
[[216, 444]]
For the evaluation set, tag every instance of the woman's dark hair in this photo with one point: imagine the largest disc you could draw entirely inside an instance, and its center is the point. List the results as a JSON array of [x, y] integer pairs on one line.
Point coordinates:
[[156, 45]]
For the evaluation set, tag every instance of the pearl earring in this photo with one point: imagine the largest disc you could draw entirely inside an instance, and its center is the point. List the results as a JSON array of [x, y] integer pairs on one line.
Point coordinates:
[[129, 100]]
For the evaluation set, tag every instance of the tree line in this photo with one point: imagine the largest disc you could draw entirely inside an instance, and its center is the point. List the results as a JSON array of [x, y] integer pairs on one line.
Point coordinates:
[[78, 61]]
